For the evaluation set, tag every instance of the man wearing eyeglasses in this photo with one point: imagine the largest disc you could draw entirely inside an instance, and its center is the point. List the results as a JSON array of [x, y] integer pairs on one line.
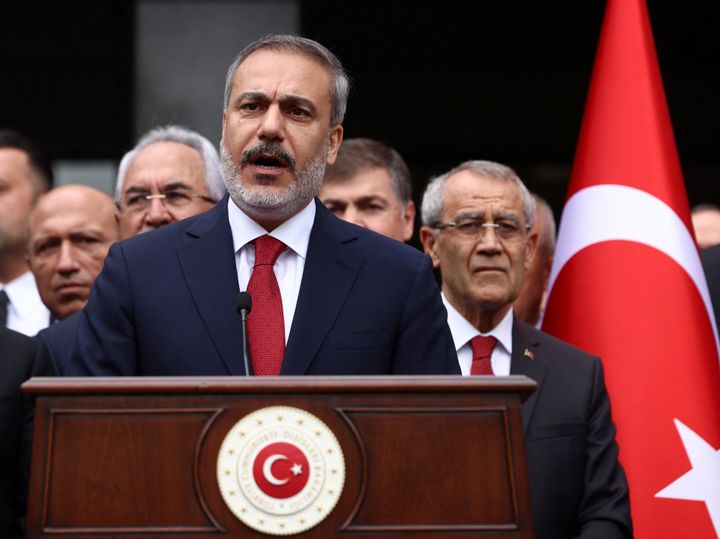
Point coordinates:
[[172, 173], [477, 222]]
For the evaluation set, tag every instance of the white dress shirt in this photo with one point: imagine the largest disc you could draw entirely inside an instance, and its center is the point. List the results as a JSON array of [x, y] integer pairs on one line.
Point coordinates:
[[463, 331], [26, 312], [289, 266]]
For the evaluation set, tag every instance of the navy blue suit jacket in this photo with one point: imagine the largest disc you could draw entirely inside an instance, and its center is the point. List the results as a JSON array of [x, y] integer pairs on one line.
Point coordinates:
[[710, 258], [578, 488], [164, 304], [60, 338]]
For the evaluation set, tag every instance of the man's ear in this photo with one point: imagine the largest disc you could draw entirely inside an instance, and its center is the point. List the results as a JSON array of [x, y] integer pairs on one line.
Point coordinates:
[[335, 138], [429, 243], [409, 219], [548, 267], [530, 249]]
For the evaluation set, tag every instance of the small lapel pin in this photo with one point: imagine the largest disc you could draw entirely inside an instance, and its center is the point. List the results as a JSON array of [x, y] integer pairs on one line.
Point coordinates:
[[528, 354]]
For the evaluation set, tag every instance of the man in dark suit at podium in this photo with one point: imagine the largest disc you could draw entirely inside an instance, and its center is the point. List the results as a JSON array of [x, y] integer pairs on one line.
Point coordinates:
[[477, 221], [328, 297], [20, 359]]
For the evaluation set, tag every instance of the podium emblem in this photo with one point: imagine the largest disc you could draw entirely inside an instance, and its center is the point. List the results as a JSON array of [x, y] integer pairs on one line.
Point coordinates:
[[280, 470]]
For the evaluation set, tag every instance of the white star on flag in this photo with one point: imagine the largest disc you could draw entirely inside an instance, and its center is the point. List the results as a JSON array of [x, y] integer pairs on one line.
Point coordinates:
[[702, 482], [627, 285], [296, 469]]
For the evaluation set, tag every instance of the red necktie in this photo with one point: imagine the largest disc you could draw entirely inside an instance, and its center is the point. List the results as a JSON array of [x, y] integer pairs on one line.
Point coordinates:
[[482, 348], [266, 327]]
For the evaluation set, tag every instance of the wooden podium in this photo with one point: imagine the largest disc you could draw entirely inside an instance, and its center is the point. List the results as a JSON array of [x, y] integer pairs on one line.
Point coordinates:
[[424, 456]]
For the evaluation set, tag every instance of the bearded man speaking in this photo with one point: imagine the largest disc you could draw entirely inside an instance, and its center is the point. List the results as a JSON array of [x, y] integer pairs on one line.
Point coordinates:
[[328, 297]]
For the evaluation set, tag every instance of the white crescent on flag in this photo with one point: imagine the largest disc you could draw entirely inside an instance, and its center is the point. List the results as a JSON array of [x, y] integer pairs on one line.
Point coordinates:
[[617, 212], [627, 285]]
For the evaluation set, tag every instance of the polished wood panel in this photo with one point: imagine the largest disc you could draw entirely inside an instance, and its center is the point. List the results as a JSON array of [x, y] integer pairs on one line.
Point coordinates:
[[425, 456]]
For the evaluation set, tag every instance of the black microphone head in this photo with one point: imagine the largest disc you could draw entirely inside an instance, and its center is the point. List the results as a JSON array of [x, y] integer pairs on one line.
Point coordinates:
[[243, 302]]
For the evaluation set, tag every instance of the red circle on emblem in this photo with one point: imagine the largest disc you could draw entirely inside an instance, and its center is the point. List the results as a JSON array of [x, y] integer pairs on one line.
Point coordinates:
[[281, 470]]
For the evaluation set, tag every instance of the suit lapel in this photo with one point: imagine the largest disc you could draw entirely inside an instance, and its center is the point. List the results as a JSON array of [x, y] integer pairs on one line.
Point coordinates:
[[207, 261], [527, 359], [331, 268]]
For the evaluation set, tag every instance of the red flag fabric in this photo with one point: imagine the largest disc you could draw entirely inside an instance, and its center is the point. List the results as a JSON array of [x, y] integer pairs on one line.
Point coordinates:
[[628, 286]]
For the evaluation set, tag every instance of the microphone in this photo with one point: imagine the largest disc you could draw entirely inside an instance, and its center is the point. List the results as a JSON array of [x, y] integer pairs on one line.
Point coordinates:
[[243, 304]]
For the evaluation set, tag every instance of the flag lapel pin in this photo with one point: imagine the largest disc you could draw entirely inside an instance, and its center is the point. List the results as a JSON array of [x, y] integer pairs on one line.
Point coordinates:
[[529, 354]]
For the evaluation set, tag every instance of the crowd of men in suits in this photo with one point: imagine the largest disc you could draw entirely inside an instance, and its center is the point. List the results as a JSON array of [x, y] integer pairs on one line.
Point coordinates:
[[345, 295]]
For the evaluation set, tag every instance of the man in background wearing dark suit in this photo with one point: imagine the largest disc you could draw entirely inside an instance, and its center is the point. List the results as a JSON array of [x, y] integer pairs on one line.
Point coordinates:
[[172, 173], [328, 297], [21, 359], [710, 259], [477, 220]]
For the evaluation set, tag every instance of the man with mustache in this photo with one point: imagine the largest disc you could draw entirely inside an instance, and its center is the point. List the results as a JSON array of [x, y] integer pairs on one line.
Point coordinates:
[[477, 227], [328, 297]]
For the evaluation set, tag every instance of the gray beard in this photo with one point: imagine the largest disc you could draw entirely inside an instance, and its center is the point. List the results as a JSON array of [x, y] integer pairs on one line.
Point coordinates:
[[261, 203]]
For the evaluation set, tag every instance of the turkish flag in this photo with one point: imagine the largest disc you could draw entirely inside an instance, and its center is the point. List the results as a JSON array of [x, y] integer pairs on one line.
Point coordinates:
[[627, 285]]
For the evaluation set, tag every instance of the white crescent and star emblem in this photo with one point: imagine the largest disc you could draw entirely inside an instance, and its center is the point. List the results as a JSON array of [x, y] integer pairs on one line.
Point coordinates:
[[295, 469], [280, 470]]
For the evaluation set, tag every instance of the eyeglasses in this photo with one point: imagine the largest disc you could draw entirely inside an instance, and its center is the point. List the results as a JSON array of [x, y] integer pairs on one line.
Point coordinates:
[[476, 228], [139, 202]]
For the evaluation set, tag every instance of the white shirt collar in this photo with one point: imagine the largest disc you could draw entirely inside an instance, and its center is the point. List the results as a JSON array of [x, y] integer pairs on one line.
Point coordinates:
[[462, 330], [295, 232], [23, 294]]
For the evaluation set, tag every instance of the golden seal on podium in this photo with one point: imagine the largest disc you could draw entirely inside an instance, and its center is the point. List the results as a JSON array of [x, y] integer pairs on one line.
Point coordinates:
[[280, 470]]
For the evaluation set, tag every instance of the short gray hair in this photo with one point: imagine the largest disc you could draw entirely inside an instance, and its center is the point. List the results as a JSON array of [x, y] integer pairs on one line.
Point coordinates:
[[432, 203], [359, 154], [181, 135], [340, 81]]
